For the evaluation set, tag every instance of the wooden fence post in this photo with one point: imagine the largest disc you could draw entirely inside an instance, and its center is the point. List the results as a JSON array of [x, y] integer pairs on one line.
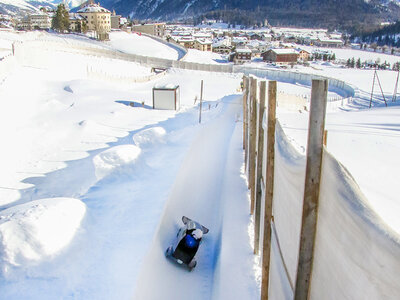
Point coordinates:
[[247, 132], [260, 151], [244, 91], [252, 146], [269, 188], [201, 100], [319, 93]]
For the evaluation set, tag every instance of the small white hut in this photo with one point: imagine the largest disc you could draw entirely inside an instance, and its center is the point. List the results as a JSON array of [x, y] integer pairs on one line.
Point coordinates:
[[166, 97]]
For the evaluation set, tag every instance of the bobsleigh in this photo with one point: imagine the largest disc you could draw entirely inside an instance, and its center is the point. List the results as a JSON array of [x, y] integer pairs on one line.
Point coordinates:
[[188, 240]]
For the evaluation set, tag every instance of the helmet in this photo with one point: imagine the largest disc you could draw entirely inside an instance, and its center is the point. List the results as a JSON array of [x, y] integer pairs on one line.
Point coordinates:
[[197, 234]]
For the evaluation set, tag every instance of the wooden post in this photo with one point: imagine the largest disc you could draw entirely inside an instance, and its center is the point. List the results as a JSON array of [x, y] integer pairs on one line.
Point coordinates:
[[201, 100], [260, 151], [247, 131], [252, 146], [269, 188], [245, 84], [325, 137], [372, 92], [319, 93]]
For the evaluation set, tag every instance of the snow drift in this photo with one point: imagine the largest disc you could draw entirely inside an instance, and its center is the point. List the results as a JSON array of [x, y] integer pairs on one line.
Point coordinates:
[[356, 254], [38, 230]]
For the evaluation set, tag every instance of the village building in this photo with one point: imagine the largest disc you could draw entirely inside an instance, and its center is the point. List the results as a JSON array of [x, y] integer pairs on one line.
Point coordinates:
[[98, 19], [156, 29], [76, 22], [40, 20], [241, 56], [186, 41], [304, 55], [115, 20], [326, 42], [281, 56], [202, 44]]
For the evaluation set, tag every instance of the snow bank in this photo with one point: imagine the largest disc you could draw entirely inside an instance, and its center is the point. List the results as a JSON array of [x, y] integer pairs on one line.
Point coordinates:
[[35, 231], [356, 254], [116, 157], [129, 43], [149, 137]]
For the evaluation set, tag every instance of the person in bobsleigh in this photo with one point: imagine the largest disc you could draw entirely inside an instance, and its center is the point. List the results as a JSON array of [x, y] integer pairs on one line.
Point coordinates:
[[189, 238]]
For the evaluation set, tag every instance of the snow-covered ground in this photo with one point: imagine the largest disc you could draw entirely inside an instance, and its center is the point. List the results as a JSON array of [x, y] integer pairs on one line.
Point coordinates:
[[92, 189], [135, 43], [204, 57], [346, 53]]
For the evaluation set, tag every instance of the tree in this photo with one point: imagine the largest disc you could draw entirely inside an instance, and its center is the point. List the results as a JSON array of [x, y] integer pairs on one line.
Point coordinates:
[[352, 63], [333, 57], [60, 21], [358, 64]]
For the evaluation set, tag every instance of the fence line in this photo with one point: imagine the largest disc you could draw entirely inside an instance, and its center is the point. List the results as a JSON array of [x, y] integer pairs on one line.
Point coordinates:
[[335, 85], [355, 255]]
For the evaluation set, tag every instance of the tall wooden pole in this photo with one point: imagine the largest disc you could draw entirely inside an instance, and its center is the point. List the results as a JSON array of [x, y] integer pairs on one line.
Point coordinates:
[[201, 100], [247, 134], [245, 87], [380, 86], [252, 146], [395, 87], [260, 151], [311, 190], [269, 189], [372, 92]]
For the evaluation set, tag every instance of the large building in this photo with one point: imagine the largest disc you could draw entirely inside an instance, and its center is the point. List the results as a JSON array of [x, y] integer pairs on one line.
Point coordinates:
[[40, 20], [98, 20], [156, 29], [281, 56]]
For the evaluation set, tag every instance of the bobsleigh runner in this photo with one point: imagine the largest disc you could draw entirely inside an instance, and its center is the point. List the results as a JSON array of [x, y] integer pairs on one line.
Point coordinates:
[[188, 241]]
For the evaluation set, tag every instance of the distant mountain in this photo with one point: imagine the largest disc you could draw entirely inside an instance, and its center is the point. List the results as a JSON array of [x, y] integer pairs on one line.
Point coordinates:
[[354, 14], [278, 12], [22, 7]]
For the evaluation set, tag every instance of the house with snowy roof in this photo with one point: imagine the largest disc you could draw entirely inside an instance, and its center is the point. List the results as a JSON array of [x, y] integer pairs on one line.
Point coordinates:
[[98, 19], [327, 42], [202, 44], [281, 56], [240, 56]]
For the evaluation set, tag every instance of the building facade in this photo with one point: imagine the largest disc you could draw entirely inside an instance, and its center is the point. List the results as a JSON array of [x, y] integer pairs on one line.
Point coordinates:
[[281, 56], [98, 20], [156, 29]]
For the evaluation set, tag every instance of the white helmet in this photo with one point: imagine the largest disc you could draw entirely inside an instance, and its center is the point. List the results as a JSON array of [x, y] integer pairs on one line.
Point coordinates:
[[197, 234]]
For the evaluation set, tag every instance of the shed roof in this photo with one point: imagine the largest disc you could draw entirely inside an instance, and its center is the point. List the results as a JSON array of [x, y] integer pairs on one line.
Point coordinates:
[[167, 86]]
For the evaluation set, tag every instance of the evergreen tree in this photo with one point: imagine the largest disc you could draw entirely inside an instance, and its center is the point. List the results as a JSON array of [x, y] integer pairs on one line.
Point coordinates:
[[358, 64], [352, 63], [333, 57], [348, 63], [60, 20]]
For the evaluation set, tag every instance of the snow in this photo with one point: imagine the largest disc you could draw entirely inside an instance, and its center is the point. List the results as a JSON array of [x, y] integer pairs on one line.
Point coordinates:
[[114, 158], [204, 57], [149, 137], [92, 188], [38, 230], [135, 43]]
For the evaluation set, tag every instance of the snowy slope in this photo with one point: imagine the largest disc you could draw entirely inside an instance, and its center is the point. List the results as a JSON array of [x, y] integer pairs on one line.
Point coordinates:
[[112, 181]]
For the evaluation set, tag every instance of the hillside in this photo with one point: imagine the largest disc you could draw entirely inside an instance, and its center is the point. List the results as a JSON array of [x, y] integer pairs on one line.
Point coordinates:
[[350, 13]]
